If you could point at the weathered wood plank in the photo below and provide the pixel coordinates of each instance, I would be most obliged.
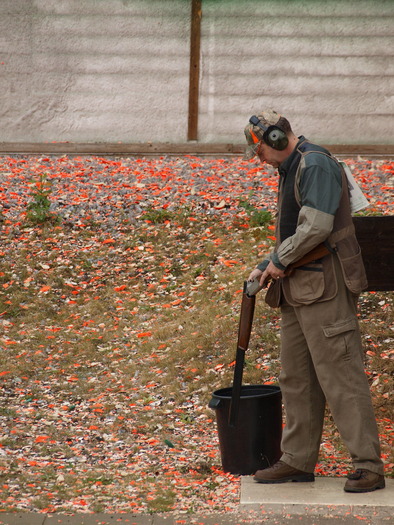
(376, 238)
(148, 148)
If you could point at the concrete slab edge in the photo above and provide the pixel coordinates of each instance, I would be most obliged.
(254, 515)
(362, 512)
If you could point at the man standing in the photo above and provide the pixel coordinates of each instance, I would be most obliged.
(321, 351)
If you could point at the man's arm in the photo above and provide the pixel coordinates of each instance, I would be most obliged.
(320, 193)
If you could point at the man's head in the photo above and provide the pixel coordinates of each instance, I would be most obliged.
(269, 135)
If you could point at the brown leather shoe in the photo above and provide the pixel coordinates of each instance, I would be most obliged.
(280, 472)
(363, 480)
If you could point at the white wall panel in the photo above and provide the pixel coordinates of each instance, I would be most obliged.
(118, 70)
(327, 66)
(94, 70)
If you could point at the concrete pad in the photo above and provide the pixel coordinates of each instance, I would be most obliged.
(324, 491)
(322, 497)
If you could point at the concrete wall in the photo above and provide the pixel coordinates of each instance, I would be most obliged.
(118, 70)
(94, 70)
(327, 66)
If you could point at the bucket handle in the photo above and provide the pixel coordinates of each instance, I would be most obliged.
(214, 403)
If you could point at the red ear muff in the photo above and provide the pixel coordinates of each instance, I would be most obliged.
(275, 137)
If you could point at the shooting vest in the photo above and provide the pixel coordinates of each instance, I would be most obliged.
(318, 281)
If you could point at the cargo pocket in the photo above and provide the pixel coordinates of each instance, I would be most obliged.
(339, 335)
(307, 284)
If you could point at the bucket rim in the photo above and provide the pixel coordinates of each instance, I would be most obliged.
(266, 390)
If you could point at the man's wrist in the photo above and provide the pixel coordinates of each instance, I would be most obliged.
(276, 262)
(263, 265)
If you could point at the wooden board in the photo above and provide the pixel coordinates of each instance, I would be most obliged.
(376, 238)
(156, 148)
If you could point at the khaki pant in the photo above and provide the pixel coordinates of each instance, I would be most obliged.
(322, 361)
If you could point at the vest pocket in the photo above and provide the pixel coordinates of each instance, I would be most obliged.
(353, 272)
(307, 284)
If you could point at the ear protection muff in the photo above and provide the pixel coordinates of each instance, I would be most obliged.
(275, 137)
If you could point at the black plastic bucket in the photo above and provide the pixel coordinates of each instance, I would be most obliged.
(253, 443)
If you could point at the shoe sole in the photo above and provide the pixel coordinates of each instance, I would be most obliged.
(303, 479)
(371, 489)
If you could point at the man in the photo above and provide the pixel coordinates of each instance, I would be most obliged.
(321, 352)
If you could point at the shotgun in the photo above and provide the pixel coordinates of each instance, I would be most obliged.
(253, 287)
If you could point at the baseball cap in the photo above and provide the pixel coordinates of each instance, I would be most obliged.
(254, 134)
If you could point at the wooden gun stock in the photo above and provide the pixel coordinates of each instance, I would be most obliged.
(317, 253)
(246, 320)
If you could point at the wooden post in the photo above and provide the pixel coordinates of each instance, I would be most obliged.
(194, 72)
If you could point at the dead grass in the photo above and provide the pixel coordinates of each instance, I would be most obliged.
(177, 288)
(149, 320)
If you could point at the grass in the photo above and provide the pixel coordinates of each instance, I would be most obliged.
(38, 209)
(93, 328)
(257, 216)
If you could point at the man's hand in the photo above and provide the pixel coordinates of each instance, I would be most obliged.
(256, 274)
(271, 271)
